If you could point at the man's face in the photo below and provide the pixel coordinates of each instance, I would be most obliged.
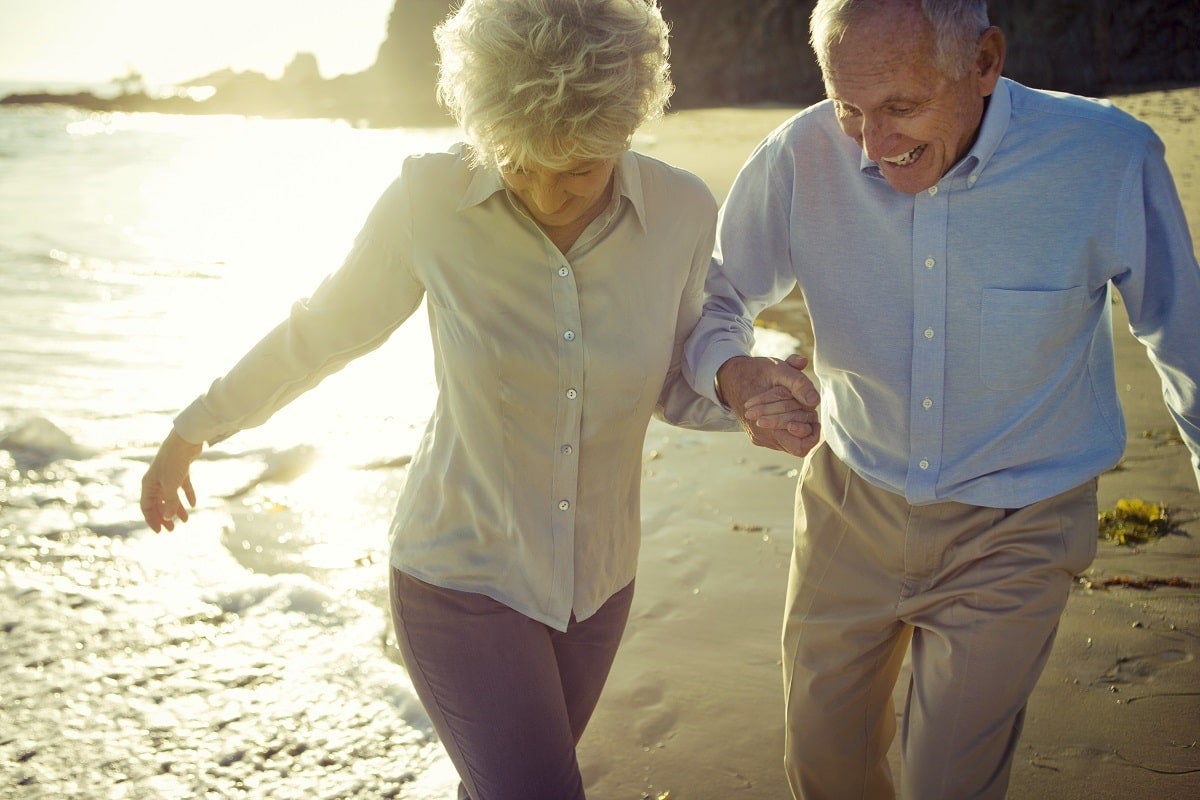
(891, 98)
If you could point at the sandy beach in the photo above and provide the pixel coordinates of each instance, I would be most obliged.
(245, 654)
(694, 708)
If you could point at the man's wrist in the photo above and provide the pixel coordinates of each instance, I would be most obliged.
(717, 378)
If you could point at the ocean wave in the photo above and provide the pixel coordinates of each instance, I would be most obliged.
(289, 592)
(124, 270)
(35, 443)
(117, 530)
(38, 254)
(283, 466)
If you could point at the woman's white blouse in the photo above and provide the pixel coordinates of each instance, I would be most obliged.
(525, 486)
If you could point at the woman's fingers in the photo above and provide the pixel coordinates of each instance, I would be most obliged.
(167, 475)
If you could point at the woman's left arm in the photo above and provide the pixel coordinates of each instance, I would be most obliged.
(678, 403)
(784, 412)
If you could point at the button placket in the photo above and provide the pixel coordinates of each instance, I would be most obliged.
(564, 493)
(929, 271)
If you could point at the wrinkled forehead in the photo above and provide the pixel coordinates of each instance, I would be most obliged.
(877, 62)
(871, 85)
(878, 41)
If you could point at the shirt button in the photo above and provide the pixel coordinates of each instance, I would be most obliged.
(924, 464)
(927, 403)
(929, 263)
(932, 191)
(567, 449)
(929, 333)
(563, 272)
(563, 505)
(572, 394)
(569, 336)
(971, 180)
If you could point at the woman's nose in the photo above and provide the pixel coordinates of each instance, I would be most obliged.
(545, 196)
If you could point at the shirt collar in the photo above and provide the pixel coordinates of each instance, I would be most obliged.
(627, 182)
(485, 182)
(995, 124)
(996, 116)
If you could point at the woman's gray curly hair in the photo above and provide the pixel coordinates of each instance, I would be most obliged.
(546, 82)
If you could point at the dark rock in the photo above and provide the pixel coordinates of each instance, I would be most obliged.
(757, 51)
(723, 53)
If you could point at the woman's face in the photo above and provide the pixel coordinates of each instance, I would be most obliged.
(559, 197)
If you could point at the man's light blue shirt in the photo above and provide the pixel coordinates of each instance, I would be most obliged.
(963, 335)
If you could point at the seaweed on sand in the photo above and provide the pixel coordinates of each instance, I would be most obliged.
(1134, 522)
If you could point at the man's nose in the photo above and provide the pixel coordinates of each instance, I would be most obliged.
(875, 137)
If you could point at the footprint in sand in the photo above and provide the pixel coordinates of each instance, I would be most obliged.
(1139, 668)
(654, 720)
(653, 717)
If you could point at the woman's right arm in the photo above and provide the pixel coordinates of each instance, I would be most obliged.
(168, 474)
(352, 312)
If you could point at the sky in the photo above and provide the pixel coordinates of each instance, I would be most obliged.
(93, 41)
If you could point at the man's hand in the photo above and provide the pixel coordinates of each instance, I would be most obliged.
(775, 402)
(168, 473)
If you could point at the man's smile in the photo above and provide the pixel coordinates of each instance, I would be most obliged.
(904, 159)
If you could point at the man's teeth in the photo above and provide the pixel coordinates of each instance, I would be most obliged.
(905, 159)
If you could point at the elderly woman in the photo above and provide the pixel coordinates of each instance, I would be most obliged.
(561, 273)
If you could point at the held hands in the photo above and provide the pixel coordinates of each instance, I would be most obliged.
(166, 475)
(775, 402)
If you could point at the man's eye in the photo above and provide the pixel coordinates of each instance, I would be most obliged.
(580, 173)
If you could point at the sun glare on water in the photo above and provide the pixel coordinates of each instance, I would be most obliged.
(238, 220)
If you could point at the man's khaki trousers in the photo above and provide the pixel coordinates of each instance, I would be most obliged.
(976, 592)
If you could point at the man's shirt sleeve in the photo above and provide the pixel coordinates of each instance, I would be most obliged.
(751, 267)
(1161, 289)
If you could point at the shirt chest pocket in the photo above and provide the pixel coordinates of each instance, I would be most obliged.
(1027, 335)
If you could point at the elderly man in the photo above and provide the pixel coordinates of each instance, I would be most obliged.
(956, 237)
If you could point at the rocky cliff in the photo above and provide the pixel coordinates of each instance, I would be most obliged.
(747, 52)
(732, 52)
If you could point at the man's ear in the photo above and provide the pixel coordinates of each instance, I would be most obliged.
(989, 59)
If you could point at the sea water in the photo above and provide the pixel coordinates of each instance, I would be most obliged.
(245, 654)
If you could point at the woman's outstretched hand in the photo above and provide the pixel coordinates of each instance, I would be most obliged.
(167, 474)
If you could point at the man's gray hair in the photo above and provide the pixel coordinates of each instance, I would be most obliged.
(547, 82)
(957, 25)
